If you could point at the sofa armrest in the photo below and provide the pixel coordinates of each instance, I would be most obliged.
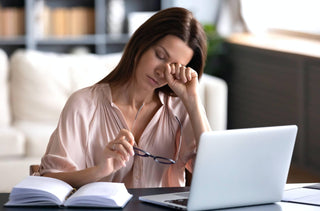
(213, 93)
(12, 143)
(37, 136)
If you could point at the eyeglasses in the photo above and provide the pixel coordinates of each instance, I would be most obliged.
(159, 159)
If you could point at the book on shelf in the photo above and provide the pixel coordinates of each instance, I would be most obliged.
(59, 21)
(81, 21)
(62, 21)
(73, 21)
(11, 21)
(46, 191)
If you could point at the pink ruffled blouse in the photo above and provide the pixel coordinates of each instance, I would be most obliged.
(90, 120)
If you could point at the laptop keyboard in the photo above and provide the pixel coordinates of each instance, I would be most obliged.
(183, 202)
(183, 194)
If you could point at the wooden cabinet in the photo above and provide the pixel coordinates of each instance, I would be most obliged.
(99, 41)
(312, 112)
(269, 85)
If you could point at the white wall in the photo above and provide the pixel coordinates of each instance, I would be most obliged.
(204, 10)
(293, 15)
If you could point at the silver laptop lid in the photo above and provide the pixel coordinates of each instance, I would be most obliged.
(241, 167)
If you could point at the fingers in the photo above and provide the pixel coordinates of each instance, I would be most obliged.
(121, 147)
(126, 140)
(181, 73)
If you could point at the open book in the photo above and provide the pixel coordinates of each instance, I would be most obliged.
(304, 195)
(46, 191)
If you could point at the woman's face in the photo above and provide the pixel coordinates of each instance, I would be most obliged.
(149, 73)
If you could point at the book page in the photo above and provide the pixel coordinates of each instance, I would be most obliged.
(100, 194)
(302, 195)
(33, 189)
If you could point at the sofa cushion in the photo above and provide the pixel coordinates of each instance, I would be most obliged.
(41, 82)
(5, 115)
(12, 143)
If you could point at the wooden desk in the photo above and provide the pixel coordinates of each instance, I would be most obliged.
(135, 204)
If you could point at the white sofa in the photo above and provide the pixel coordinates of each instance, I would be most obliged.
(34, 87)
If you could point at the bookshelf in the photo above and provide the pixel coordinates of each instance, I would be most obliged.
(61, 26)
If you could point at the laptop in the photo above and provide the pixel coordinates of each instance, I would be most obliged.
(236, 168)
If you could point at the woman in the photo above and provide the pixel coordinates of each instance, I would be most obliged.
(147, 104)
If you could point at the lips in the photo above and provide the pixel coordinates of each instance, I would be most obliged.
(153, 81)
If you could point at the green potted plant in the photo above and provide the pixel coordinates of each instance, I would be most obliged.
(215, 51)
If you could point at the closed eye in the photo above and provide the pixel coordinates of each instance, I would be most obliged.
(160, 55)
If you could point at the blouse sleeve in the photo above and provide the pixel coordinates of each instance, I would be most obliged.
(66, 150)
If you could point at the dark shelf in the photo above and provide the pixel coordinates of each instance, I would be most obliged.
(19, 40)
(101, 42)
(85, 40)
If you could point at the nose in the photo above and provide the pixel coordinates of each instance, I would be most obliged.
(160, 71)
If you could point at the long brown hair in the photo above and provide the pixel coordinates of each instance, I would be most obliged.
(172, 21)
